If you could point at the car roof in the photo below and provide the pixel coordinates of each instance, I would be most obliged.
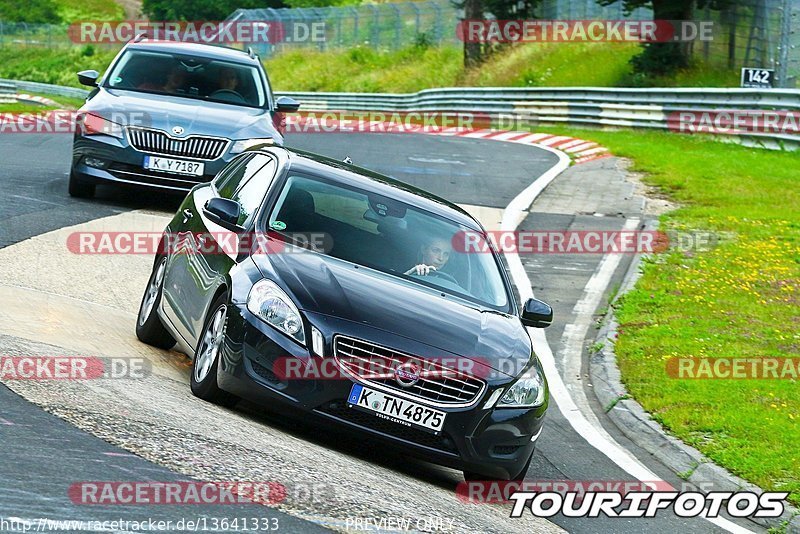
(196, 49)
(349, 174)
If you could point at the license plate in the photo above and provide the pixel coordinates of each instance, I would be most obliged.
(396, 409)
(177, 166)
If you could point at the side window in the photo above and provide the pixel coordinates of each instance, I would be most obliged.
(241, 174)
(251, 194)
(225, 174)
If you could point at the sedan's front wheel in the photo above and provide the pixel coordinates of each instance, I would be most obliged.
(206, 358)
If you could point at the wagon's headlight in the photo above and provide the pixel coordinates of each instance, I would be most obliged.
(91, 124)
(528, 391)
(269, 303)
(244, 144)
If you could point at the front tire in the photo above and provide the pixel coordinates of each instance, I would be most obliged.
(149, 328)
(206, 358)
(79, 188)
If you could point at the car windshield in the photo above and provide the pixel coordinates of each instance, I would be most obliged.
(188, 77)
(390, 236)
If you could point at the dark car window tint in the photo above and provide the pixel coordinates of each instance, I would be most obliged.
(225, 174)
(252, 193)
(383, 233)
(189, 76)
(227, 187)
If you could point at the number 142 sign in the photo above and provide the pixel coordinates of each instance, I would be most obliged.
(757, 78)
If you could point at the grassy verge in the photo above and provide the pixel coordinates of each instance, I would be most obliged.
(741, 299)
(407, 70)
(52, 66)
(89, 10)
(416, 68)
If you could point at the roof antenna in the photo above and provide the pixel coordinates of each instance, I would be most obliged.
(347, 160)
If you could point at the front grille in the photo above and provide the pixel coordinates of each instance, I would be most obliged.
(193, 146)
(376, 365)
(441, 442)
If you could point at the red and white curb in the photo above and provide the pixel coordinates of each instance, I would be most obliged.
(578, 150)
(24, 97)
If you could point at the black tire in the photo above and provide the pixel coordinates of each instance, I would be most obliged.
(149, 328)
(80, 189)
(470, 476)
(204, 371)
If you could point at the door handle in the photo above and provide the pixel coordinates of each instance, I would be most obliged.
(187, 214)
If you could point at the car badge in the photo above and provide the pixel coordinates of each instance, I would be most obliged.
(177, 130)
(407, 374)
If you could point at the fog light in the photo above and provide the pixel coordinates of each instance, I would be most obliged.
(97, 163)
(317, 342)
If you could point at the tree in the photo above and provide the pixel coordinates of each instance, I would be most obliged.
(664, 58)
(211, 10)
(32, 11)
(475, 52)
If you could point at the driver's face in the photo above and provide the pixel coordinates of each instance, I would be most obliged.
(436, 253)
(228, 79)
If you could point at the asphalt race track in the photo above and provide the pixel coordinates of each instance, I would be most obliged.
(53, 302)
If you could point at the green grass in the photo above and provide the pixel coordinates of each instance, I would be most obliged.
(89, 10)
(529, 65)
(410, 69)
(739, 299)
(52, 66)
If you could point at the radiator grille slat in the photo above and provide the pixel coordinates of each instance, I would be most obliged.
(437, 383)
(193, 146)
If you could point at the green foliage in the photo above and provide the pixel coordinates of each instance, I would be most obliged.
(200, 9)
(33, 11)
(54, 66)
(321, 3)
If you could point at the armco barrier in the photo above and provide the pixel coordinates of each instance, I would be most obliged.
(579, 106)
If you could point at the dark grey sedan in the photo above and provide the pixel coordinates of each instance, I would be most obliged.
(170, 115)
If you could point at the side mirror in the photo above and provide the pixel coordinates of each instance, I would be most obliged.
(286, 105)
(224, 212)
(88, 77)
(537, 314)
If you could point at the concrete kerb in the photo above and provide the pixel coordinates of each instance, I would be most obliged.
(637, 425)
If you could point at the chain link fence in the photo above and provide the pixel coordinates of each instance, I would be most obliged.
(748, 33)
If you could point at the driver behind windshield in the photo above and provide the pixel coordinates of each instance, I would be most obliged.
(433, 255)
(228, 79)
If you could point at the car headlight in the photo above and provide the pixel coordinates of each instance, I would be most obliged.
(527, 392)
(270, 304)
(91, 124)
(244, 144)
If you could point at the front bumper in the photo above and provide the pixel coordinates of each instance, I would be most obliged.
(124, 165)
(496, 443)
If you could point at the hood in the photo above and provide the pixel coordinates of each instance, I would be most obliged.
(164, 112)
(329, 286)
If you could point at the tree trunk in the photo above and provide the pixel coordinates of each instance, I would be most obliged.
(679, 10)
(473, 10)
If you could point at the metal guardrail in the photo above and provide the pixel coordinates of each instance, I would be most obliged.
(44, 88)
(580, 106)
